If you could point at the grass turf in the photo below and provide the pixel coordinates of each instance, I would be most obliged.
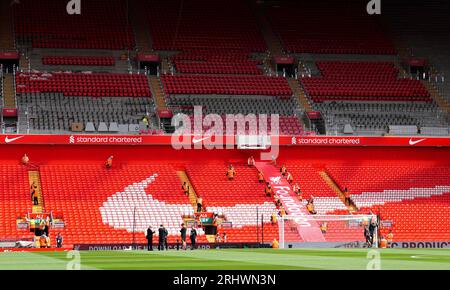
(232, 259)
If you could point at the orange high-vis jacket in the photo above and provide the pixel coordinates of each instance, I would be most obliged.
(383, 243)
(289, 177)
(260, 176)
(390, 237)
(42, 242)
(275, 244)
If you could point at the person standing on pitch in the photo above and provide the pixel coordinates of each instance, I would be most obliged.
(183, 236)
(59, 240)
(372, 227)
(166, 237)
(150, 239)
(161, 237)
(193, 237)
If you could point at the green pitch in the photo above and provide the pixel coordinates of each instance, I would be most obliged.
(231, 259)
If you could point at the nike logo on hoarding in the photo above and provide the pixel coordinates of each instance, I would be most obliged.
(195, 140)
(411, 142)
(8, 140)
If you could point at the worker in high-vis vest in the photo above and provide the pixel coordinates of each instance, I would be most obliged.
(231, 173)
(383, 243)
(275, 244)
(260, 177)
(109, 161)
(185, 188)
(268, 190)
(283, 170)
(390, 238)
(43, 241)
(274, 218)
(290, 178)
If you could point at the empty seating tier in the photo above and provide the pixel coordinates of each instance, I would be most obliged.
(226, 85)
(14, 200)
(288, 125)
(52, 112)
(218, 26)
(373, 177)
(46, 24)
(210, 182)
(337, 28)
(362, 81)
(412, 197)
(79, 60)
(81, 84)
(206, 62)
(98, 204)
(209, 67)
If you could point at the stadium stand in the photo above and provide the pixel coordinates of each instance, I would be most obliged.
(202, 27)
(287, 126)
(78, 60)
(371, 98)
(345, 81)
(229, 85)
(84, 84)
(54, 101)
(215, 55)
(15, 200)
(102, 25)
(402, 193)
(52, 112)
(341, 28)
(104, 211)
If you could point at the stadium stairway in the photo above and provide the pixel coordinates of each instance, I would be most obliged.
(157, 92)
(339, 192)
(9, 92)
(300, 94)
(192, 194)
(442, 103)
(272, 41)
(35, 177)
(142, 35)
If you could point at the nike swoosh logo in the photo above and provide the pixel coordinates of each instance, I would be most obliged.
(8, 140)
(195, 141)
(411, 142)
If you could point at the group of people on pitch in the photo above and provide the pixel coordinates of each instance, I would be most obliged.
(163, 238)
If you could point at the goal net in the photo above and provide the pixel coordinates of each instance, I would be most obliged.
(330, 231)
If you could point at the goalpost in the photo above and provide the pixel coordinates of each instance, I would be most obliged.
(337, 230)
